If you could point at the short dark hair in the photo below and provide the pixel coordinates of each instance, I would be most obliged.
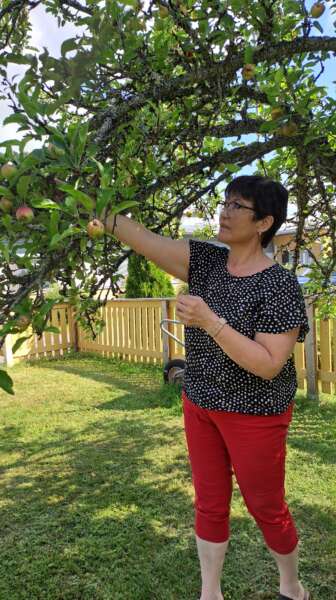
(269, 198)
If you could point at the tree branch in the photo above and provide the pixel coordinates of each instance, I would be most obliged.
(223, 72)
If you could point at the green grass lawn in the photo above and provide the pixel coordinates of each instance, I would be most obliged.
(96, 497)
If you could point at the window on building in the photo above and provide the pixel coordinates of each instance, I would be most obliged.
(285, 257)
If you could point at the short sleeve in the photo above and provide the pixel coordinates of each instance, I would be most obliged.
(202, 258)
(284, 311)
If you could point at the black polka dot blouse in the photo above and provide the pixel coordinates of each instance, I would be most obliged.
(270, 301)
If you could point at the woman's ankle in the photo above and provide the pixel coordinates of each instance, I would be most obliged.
(293, 590)
(216, 596)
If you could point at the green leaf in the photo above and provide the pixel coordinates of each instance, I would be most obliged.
(6, 382)
(132, 3)
(52, 329)
(54, 240)
(279, 75)
(5, 251)
(58, 237)
(99, 165)
(68, 45)
(78, 141)
(53, 223)
(7, 221)
(318, 26)
(6, 192)
(46, 307)
(248, 55)
(23, 185)
(16, 118)
(19, 59)
(123, 205)
(19, 343)
(231, 167)
(103, 199)
(45, 203)
(10, 143)
(268, 126)
(70, 203)
(78, 195)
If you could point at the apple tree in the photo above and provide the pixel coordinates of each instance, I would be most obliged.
(149, 110)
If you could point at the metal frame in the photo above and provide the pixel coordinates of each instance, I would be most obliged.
(169, 332)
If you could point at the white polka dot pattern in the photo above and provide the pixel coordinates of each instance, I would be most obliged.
(270, 301)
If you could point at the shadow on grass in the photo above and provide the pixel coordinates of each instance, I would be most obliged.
(147, 391)
(106, 512)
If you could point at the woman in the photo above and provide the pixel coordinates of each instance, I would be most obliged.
(242, 316)
(240, 379)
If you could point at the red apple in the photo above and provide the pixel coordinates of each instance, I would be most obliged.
(95, 229)
(317, 10)
(24, 213)
(6, 204)
(8, 169)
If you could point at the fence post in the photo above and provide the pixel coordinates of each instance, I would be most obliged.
(73, 328)
(165, 337)
(311, 355)
(7, 348)
(76, 336)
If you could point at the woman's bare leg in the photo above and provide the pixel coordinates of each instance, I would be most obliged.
(211, 556)
(288, 569)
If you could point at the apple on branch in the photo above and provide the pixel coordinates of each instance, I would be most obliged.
(24, 213)
(6, 205)
(95, 229)
(8, 170)
(249, 71)
(276, 112)
(164, 12)
(317, 10)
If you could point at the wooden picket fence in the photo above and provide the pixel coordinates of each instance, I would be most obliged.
(132, 332)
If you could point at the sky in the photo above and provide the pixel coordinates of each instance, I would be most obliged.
(46, 33)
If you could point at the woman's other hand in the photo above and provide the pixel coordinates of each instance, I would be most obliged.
(193, 311)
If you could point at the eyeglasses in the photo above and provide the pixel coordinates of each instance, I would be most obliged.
(233, 205)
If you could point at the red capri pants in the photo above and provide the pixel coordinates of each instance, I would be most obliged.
(255, 446)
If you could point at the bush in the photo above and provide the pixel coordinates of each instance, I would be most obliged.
(146, 280)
